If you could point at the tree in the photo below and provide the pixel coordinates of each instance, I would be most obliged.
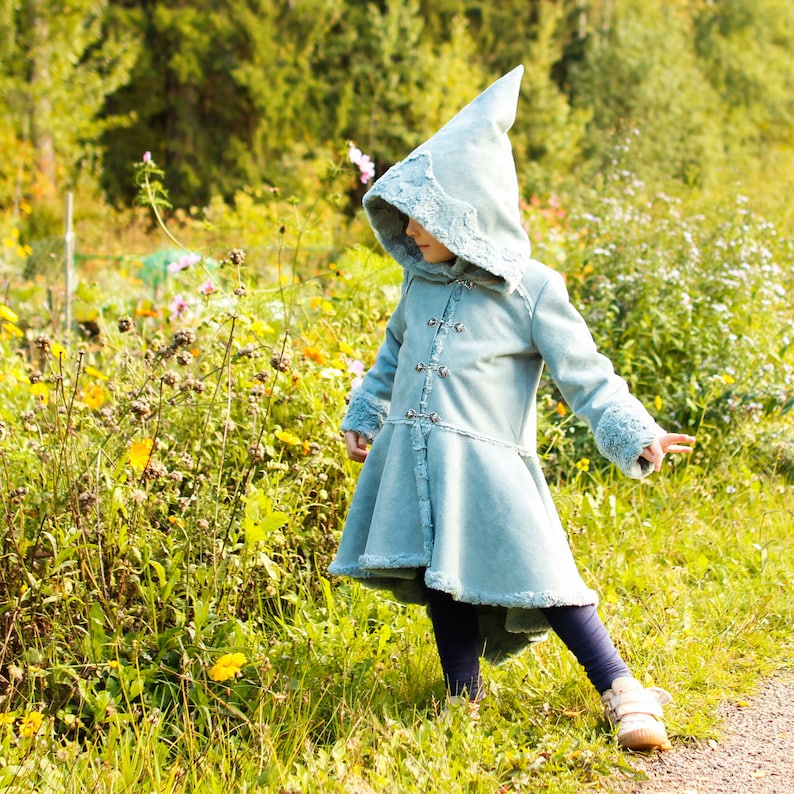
(59, 63)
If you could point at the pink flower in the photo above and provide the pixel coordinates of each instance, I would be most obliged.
(364, 163)
(185, 261)
(179, 307)
(207, 288)
(147, 157)
(356, 367)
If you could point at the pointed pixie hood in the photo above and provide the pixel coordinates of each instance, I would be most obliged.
(461, 186)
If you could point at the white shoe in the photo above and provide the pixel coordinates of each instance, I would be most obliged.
(637, 714)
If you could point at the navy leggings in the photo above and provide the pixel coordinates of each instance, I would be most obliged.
(459, 643)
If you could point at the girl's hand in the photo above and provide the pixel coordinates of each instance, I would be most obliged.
(356, 446)
(674, 443)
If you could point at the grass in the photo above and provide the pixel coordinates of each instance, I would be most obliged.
(695, 573)
(172, 500)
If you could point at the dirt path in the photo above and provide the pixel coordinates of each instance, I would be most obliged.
(754, 754)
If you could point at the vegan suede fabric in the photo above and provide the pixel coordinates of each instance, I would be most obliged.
(452, 490)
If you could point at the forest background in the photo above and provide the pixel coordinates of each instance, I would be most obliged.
(171, 474)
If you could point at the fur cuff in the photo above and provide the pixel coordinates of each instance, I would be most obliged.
(365, 414)
(623, 431)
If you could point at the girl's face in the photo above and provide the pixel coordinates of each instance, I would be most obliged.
(431, 249)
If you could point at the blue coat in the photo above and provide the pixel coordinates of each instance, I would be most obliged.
(452, 488)
(452, 491)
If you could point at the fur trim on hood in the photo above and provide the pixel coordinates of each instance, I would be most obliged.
(461, 186)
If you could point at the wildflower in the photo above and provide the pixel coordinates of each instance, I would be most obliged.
(94, 396)
(207, 288)
(259, 327)
(179, 307)
(13, 330)
(43, 342)
(657, 403)
(315, 354)
(183, 263)
(147, 157)
(228, 666)
(364, 163)
(8, 314)
(140, 409)
(356, 367)
(30, 724)
(7, 718)
(58, 350)
(287, 437)
(561, 409)
(727, 378)
(583, 464)
(93, 372)
(140, 452)
(40, 391)
(125, 324)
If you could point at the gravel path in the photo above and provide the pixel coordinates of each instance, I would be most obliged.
(754, 754)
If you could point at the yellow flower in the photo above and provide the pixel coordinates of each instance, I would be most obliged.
(258, 327)
(58, 350)
(12, 330)
(228, 666)
(41, 391)
(345, 348)
(30, 724)
(7, 718)
(287, 437)
(94, 396)
(728, 379)
(9, 314)
(561, 409)
(657, 403)
(583, 464)
(93, 372)
(140, 452)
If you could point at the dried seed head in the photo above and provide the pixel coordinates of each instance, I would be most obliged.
(280, 361)
(125, 324)
(237, 256)
(184, 337)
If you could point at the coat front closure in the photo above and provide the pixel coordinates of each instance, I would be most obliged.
(452, 492)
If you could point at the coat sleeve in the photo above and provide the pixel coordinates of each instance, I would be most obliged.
(621, 425)
(370, 402)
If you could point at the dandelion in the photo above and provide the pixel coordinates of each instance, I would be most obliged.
(29, 725)
(140, 452)
(179, 308)
(287, 437)
(228, 666)
(183, 263)
(363, 161)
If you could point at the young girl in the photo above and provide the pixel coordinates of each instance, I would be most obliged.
(452, 509)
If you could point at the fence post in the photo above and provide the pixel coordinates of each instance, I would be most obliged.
(69, 249)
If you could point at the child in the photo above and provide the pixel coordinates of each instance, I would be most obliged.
(451, 508)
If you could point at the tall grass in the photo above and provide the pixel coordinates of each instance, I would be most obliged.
(173, 488)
